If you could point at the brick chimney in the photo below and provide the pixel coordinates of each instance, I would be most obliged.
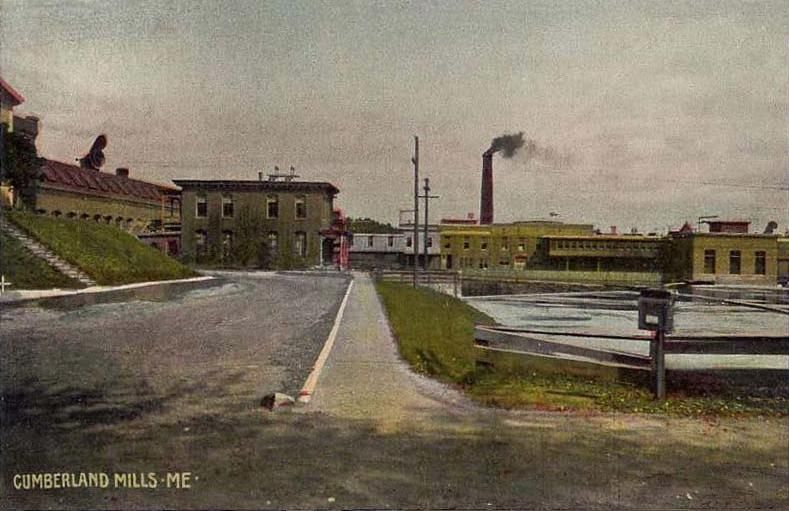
(486, 197)
(122, 172)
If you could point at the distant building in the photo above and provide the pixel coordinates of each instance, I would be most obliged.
(371, 251)
(602, 253)
(278, 224)
(501, 246)
(723, 258)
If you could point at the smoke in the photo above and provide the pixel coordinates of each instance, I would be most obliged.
(509, 144)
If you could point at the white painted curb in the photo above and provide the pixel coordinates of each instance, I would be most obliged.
(312, 380)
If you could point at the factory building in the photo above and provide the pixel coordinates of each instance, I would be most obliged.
(728, 254)
(501, 246)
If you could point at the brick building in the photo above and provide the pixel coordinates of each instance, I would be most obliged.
(277, 224)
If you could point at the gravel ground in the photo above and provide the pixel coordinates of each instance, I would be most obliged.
(164, 387)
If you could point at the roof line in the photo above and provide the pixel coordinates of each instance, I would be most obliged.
(11, 91)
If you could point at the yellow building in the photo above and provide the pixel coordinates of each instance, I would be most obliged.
(136, 206)
(500, 246)
(724, 258)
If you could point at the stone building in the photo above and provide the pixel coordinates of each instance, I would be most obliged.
(277, 224)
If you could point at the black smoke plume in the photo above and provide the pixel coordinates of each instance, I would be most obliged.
(507, 144)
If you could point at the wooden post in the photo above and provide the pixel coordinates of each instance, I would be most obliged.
(658, 356)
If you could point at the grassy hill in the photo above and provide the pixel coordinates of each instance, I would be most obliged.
(26, 271)
(104, 252)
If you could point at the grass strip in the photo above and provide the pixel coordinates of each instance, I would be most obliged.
(435, 335)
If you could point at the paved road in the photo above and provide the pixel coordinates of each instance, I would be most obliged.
(375, 434)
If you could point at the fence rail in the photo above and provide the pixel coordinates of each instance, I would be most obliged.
(530, 342)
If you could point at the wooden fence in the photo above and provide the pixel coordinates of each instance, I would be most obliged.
(533, 342)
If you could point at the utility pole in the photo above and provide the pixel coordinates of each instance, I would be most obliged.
(415, 161)
(427, 198)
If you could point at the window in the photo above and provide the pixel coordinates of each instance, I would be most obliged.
(300, 244)
(466, 243)
(227, 206)
(505, 244)
(430, 242)
(369, 241)
(521, 245)
(273, 241)
(201, 207)
(760, 263)
(408, 241)
(390, 241)
(709, 261)
(227, 245)
(200, 243)
(483, 245)
(272, 206)
(734, 262)
(301, 206)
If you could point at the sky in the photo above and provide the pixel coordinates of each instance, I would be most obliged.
(645, 114)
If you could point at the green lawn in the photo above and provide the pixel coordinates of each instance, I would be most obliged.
(104, 252)
(26, 271)
(435, 335)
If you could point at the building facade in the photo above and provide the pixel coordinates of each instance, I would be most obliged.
(371, 251)
(273, 224)
(501, 246)
(724, 258)
(68, 191)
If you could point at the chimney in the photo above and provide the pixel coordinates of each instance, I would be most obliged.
(260, 176)
(486, 197)
(122, 172)
(613, 229)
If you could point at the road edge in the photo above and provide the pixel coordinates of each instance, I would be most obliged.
(305, 394)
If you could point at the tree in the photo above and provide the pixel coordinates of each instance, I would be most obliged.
(370, 226)
(248, 248)
(20, 165)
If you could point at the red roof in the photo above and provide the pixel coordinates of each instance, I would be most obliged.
(11, 92)
(71, 177)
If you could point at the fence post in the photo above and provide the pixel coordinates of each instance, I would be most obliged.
(658, 356)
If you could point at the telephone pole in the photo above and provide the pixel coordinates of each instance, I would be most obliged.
(427, 198)
(415, 161)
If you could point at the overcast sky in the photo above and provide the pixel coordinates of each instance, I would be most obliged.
(654, 112)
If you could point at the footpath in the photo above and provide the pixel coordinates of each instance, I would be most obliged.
(364, 376)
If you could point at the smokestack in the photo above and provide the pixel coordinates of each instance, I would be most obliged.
(260, 176)
(122, 172)
(486, 196)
